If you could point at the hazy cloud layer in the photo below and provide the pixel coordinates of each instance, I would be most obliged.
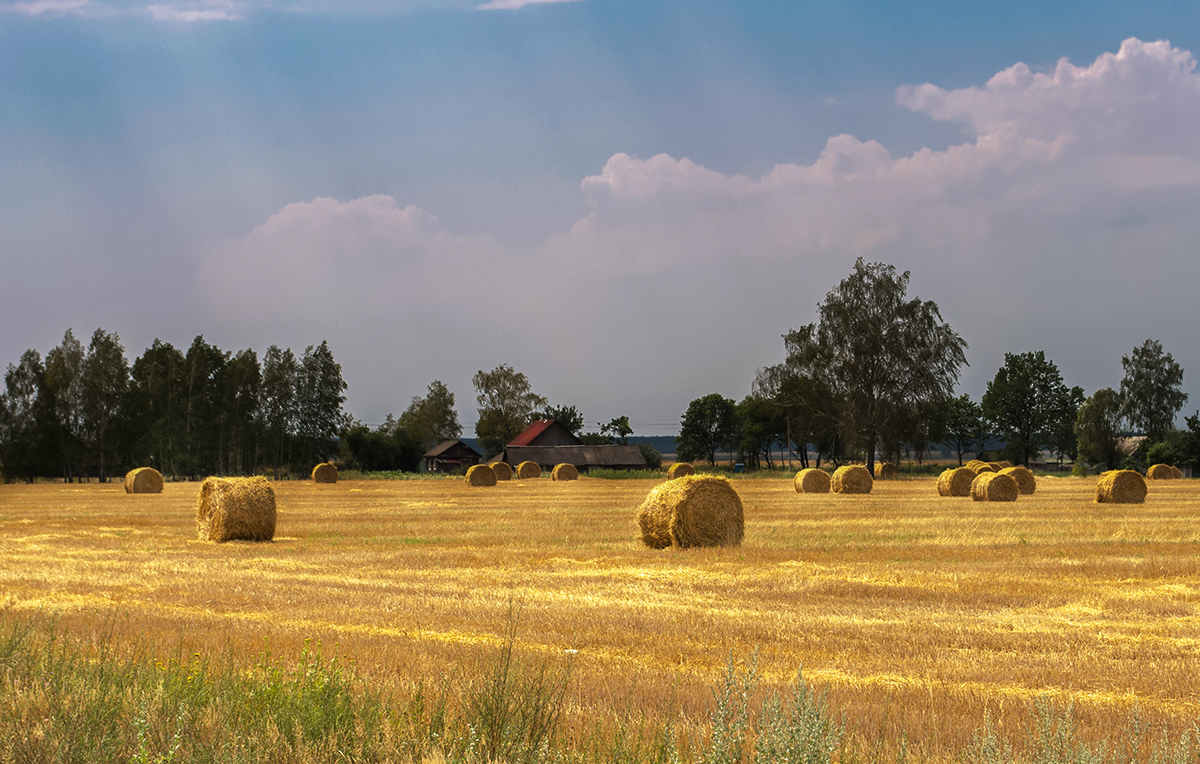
(234, 10)
(1064, 221)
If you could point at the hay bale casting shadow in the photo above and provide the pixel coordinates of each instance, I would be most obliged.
(325, 473)
(955, 481)
(992, 486)
(692, 511)
(887, 471)
(236, 508)
(853, 478)
(143, 480)
(812, 481)
(503, 470)
(526, 470)
(680, 469)
(564, 472)
(1160, 472)
(1121, 487)
(1026, 482)
(481, 476)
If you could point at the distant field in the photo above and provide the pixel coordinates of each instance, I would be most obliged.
(923, 615)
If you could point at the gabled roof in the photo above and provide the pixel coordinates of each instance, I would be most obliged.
(539, 428)
(446, 445)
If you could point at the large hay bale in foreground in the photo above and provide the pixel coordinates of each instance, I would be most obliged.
(564, 472)
(1160, 472)
(1026, 482)
(236, 508)
(503, 470)
(887, 471)
(955, 481)
(481, 476)
(143, 480)
(325, 473)
(812, 481)
(680, 469)
(691, 511)
(853, 478)
(526, 470)
(1121, 487)
(993, 486)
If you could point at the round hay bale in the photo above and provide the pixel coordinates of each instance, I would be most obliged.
(325, 473)
(1121, 487)
(993, 486)
(692, 511)
(143, 480)
(887, 471)
(526, 470)
(974, 465)
(236, 508)
(564, 472)
(1160, 472)
(955, 481)
(812, 481)
(853, 478)
(503, 470)
(680, 469)
(983, 467)
(997, 466)
(1026, 482)
(1178, 473)
(1004, 465)
(481, 476)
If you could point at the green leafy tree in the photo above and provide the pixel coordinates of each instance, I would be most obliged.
(1026, 403)
(321, 391)
(708, 426)
(568, 416)
(431, 419)
(761, 425)
(26, 416)
(1151, 389)
(156, 408)
(880, 353)
(507, 405)
(1064, 443)
(278, 404)
(105, 386)
(809, 406)
(618, 429)
(64, 380)
(239, 384)
(390, 447)
(202, 366)
(962, 424)
(651, 455)
(1189, 442)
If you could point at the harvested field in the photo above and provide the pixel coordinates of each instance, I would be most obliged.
(921, 615)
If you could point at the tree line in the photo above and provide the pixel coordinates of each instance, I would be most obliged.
(86, 412)
(875, 377)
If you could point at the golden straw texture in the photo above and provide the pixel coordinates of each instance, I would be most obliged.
(887, 471)
(1026, 482)
(692, 511)
(680, 469)
(481, 476)
(1121, 487)
(236, 508)
(143, 480)
(503, 470)
(955, 481)
(528, 470)
(993, 486)
(325, 473)
(1160, 472)
(853, 478)
(564, 472)
(812, 481)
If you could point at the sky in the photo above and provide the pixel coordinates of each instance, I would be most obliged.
(629, 202)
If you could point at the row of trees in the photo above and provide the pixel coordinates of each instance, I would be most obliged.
(86, 412)
(875, 375)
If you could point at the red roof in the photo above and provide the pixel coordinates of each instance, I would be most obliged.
(531, 432)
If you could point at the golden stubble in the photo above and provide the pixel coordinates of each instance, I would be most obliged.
(922, 614)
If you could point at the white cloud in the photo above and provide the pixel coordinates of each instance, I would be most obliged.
(223, 11)
(52, 8)
(508, 5)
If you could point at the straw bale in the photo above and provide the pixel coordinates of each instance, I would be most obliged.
(1026, 482)
(1160, 472)
(481, 476)
(997, 466)
(1177, 472)
(974, 465)
(982, 467)
(1004, 465)
(503, 470)
(955, 481)
(1121, 487)
(680, 469)
(994, 486)
(143, 480)
(692, 511)
(887, 471)
(325, 473)
(236, 508)
(564, 472)
(812, 481)
(528, 470)
(853, 478)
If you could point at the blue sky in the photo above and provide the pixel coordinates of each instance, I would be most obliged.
(628, 201)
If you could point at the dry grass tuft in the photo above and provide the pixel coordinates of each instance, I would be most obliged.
(887, 471)
(564, 472)
(680, 469)
(955, 481)
(812, 481)
(527, 470)
(1026, 482)
(1121, 487)
(481, 476)
(993, 486)
(1161, 472)
(143, 480)
(503, 470)
(692, 511)
(325, 473)
(236, 509)
(852, 478)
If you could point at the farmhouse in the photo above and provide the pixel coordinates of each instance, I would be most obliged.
(451, 455)
(547, 442)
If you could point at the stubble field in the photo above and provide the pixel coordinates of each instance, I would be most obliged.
(922, 615)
